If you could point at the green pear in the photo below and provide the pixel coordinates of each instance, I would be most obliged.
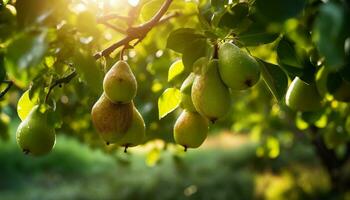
(237, 68)
(190, 129)
(120, 83)
(210, 96)
(111, 120)
(34, 135)
(302, 96)
(135, 134)
(186, 87)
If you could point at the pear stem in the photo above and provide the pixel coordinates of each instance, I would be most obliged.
(126, 149)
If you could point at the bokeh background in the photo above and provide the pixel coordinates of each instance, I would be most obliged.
(261, 150)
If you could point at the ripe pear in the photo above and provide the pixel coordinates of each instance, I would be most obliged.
(186, 88)
(34, 135)
(210, 96)
(237, 68)
(302, 96)
(190, 129)
(120, 83)
(110, 119)
(135, 134)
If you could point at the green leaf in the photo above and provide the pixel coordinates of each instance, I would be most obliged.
(233, 17)
(5, 1)
(25, 52)
(180, 38)
(168, 101)
(218, 4)
(89, 71)
(277, 10)
(149, 9)
(287, 54)
(175, 69)
(330, 41)
(2, 67)
(275, 78)
(194, 50)
(253, 38)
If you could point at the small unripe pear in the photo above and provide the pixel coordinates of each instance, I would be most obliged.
(111, 120)
(210, 96)
(190, 129)
(135, 134)
(34, 135)
(302, 96)
(186, 100)
(120, 83)
(237, 68)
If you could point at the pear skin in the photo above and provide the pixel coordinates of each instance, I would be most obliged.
(135, 134)
(210, 96)
(303, 97)
(186, 88)
(238, 70)
(190, 129)
(111, 120)
(34, 135)
(119, 83)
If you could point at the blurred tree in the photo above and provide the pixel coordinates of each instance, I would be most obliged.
(72, 43)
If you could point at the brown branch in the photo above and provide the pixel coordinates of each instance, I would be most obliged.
(136, 32)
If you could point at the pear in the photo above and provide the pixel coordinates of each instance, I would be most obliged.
(190, 129)
(119, 83)
(135, 134)
(210, 96)
(110, 119)
(237, 68)
(302, 96)
(186, 88)
(34, 135)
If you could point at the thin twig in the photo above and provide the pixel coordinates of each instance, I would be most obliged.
(8, 87)
(60, 81)
(137, 32)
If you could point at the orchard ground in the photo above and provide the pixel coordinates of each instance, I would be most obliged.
(226, 167)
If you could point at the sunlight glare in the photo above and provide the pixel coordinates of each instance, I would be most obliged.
(133, 3)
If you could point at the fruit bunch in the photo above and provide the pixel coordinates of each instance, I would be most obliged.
(205, 94)
(114, 115)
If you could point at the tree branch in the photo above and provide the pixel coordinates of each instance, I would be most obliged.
(8, 87)
(60, 81)
(136, 32)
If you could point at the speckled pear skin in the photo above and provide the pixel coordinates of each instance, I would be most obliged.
(111, 120)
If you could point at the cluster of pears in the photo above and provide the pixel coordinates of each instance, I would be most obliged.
(34, 135)
(308, 97)
(206, 92)
(114, 115)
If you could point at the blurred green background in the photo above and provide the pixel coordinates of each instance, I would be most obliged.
(261, 150)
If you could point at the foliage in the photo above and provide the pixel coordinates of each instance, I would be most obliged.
(43, 41)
